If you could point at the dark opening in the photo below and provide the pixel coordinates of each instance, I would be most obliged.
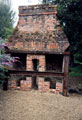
(18, 83)
(54, 63)
(5, 81)
(35, 64)
(19, 80)
(21, 63)
(34, 82)
(5, 84)
(52, 82)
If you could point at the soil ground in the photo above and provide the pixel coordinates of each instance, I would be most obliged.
(32, 105)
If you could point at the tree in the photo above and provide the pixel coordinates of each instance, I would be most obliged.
(6, 19)
(70, 16)
(6, 28)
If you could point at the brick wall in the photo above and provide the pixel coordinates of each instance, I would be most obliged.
(43, 86)
(12, 84)
(26, 84)
(59, 86)
(38, 29)
(29, 62)
(74, 83)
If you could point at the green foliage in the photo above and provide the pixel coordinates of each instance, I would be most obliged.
(75, 71)
(6, 20)
(70, 16)
(6, 28)
(2, 75)
(59, 2)
(6, 61)
(2, 56)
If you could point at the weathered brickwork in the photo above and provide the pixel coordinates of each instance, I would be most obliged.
(38, 29)
(59, 87)
(33, 9)
(38, 35)
(40, 83)
(26, 84)
(29, 62)
(12, 84)
(43, 86)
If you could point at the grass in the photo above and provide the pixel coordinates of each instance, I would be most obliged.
(75, 71)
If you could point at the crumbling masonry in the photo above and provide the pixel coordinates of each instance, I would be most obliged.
(43, 49)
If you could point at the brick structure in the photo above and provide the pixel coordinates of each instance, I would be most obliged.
(42, 46)
(59, 87)
(26, 84)
(12, 84)
(29, 62)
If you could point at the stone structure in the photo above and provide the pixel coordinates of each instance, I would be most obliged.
(40, 43)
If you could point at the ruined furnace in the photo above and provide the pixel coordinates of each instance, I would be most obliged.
(43, 49)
